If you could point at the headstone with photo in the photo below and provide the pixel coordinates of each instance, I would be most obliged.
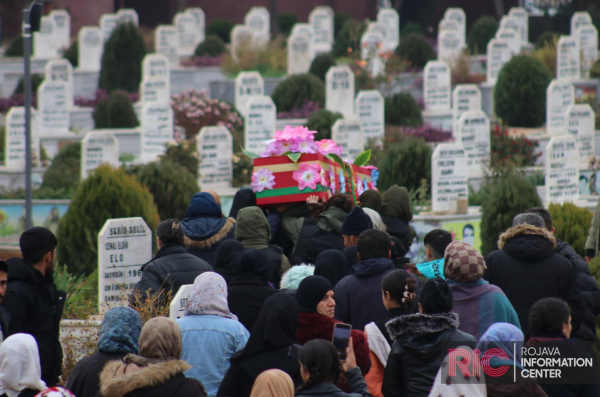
(61, 70)
(128, 15)
(241, 37)
(306, 29)
(458, 15)
(371, 44)
(247, 85)
(579, 19)
(449, 176)
(473, 132)
(157, 130)
(258, 20)
(215, 149)
(53, 108)
(562, 169)
(108, 23)
(512, 38)
(560, 95)
(166, 42)
(180, 301)
(580, 121)
(567, 58)
(389, 17)
(587, 37)
(369, 109)
(62, 25)
(198, 13)
(186, 28)
(348, 133)
(339, 90)
(450, 46)
(44, 44)
(260, 123)
(98, 147)
(436, 86)
(465, 98)
(14, 145)
(90, 47)
(299, 53)
(321, 20)
(522, 16)
(498, 53)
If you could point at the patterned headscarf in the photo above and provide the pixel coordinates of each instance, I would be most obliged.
(120, 331)
(160, 338)
(505, 336)
(462, 263)
(209, 297)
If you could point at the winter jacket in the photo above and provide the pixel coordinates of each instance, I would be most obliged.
(527, 269)
(3, 325)
(421, 343)
(245, 297)
(35, 307)
(356, 384)
(591, 244)
(396, 214)
(358, 296)
(84, 379)
(351, 254)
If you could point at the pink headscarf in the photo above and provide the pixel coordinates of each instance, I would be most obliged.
(209, 297)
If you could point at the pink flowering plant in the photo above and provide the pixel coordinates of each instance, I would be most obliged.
(262, 179)
(308, 175)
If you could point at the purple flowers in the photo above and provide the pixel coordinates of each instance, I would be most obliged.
(263, 179)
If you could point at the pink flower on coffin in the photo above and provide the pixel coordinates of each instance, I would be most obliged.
(332, 181)
(303, 133)
(308, 175)
(327, 146)
(277, 148)
(295, 133)
(262, 179)
(306, 146)
(359, 187)
(288, 133)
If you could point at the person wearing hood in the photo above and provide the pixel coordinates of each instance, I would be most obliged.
(293, 277)
(333, 265)
(228, 258)
(205, 227)
(372, 199)
(421, 341)
(396, 214)
(355, 223)
(250, 287)
(20, 371)
(243, 198)
(253, 231)
(272, 345)
(119, 334)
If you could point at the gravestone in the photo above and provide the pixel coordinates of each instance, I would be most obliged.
(321, 20)
(473, 131)
(369, 109)
(61, 70)
(305, 28)
(498, 53)
(512, 38)
(515, 24)
(90, 46)
(339, 90)
(157, 130)
(450, 46)
(124, 246)
(371, 44)
(580, 121)
(166, 43)
(247, 85)
(14, 146)
(155, 65)
(155, 90)
(560, 95)
(53, 108)
(128, 15)
(260, 123)
(299, 53)
(241, 37)
(436, 86)
(579, 19)
(567, 58)
(348, 133)
(215, 149)
(522, 16)
(448, 176)
(62, 31)
(198, 13)
(98, 147)
(108, 23)
(562, 169)
(258, 20)
(180, 301)
(389, 17)
(44, 45)
(446, 24)
(186, 25)
(459, 16)
(465, 98)
(587, 37)
(378, 27)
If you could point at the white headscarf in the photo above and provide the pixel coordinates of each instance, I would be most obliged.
(375, 218)
(209, 297)
(20, 365)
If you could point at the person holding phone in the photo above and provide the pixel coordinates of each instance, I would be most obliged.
(321, 370)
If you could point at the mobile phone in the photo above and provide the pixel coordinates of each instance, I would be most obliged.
(341, 338)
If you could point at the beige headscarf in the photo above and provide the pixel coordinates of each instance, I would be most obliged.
(160, 338)
(273, 383)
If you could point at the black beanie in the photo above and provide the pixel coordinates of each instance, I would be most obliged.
(356, 222)
(311, 291)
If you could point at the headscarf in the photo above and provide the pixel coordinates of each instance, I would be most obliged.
(310, 292)
(462, 263)
(243, 198)
(209, 297)
(396, 204)
(375, 219)
(252, 228)
(502, 336)
(228, 258)
(253, 263)
(55, 391)
(20, 367)
(333, 265)
(273, 383)
(371, 199)
(471, 386)
(120, 331)
(203, 218)
(275, 327)
(292, 278)
(161, 338)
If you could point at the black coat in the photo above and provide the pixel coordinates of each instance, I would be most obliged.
(245, 296)
(311, 231)
(84, 379)
(421, 343)
(35, 307)
(4, 323)
(396, 227)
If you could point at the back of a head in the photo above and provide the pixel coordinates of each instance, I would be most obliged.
(547, 316)
(437, 240)
(243, 198)
(253, 263)
(373, 244)
(400, 285)
(435, 296)
(160, 338)
(541, 211)
(170, 232)
(273, 383)
(529, 219)
(35, 243)
(320, 358)
(371, 198)
(356, 222)
(252, 225)
(20, 363)
(3, 266)
(120, 331)
(341, 201)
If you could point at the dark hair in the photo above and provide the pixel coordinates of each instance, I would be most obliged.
(341, 201)
(395, 284)
(541, 211)
(320, 358)
(372, 244)
(437, 240)
(435, 296)
(35, 243)
(548, 315)
(170, 232)
(3, 266)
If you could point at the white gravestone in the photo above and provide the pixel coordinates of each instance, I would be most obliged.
(339, 90)
(128, 15)
(44, 45)
(450, 46)
(61, 70)
(155, 65)
(446, 24)
(258, 20)
(306, 29)
(512, 24)
(371, 46)
(512, 38)
(215, 149)
(247, 85)
(108, 23)
(321, 20)
(260, 123)
(580, 121)
(348, 133)
(166, 42)
(198, 13)
(587, 37)
(299, 53)
(474, 133)
(157, 130)
(100, 147)
(579, 19)
(180, 301)
(498, 53)
(62, 24)
(389, 17)
(53, 108)
(90, 46)
(567, 58)
(241, 37)
(378, 27)
(155, 90)
(522, 16)
(14, 152)
(465, 98)
(559, 96)
(186, 27)
(124, 246)
(459, 16)
(449, 176)
(369, 109)
(436, 86)
(562, 169)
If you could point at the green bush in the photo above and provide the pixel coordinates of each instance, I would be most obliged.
(298, 89)
(36, 80)
(212, 46)
(106, 194)
(122, 59)
(183, 154)
(72, 54)
(546, 39)
(415, 49)
(322, 121)
(572, 224)
(116, 111)
(595, 72)
(411, 28)
(339, 21)
(286, 22)
(520, 93)
(65, 170)
(15, 49)
(347, 41)
(321, 64)
(221, 28)
(405, 164)
(481, 33)
(509, 195)
(402, 109)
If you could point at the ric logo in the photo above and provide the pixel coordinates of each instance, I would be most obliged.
(471, 364)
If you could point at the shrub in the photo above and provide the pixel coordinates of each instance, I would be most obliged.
(416, 50)
(116, 111)
(405, 163)
(520, 93)
(481, 33)
(339, 20)
(122, 59)
(321, 64)
(508, 151)
(322, 121)
(402, 109)
(411, 28)
(461, 71)
(15, 49)
(547, 39)
(269, 60)
(36, 80)
(106, 194)
(298, 89)
(595, 72)
(72, 54)
(426, 132)
(572, 224)
(347, 41)
(221, 28)
(212, 46)
(183, 154)
(546, 55)
(509, 195)
(286, 22)
(304, 112)
(64, 172)
(242, 170)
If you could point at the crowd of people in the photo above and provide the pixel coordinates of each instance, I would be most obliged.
(270, 286)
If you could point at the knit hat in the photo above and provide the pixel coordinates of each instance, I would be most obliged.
(462, 263)
(311, 291)
(356, 222)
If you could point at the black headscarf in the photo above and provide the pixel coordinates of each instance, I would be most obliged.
(333, 265)
(253, 263)
(310, 292)
(275, 327)
(243, 198)
(228, 258)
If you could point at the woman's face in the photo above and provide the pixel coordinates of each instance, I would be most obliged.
(567, 328)
(327, 305)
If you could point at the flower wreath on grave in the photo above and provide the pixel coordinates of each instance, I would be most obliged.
(294, 166)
